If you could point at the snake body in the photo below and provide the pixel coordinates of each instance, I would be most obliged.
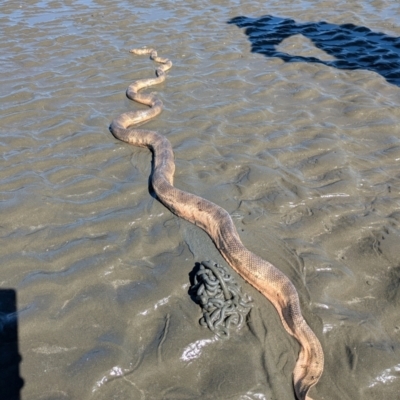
(217, 223)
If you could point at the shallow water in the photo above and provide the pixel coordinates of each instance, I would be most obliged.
(302, 151)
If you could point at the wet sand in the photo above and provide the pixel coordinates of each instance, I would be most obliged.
(303, 154)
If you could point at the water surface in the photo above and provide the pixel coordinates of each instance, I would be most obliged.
(301, 149)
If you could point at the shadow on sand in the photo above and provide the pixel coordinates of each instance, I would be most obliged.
(354, 47)
(10, 380)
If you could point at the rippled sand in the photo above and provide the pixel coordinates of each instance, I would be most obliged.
(305, 156)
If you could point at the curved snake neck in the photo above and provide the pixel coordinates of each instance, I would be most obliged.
(216, 221)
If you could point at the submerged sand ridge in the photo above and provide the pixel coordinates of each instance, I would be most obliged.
(303, 155)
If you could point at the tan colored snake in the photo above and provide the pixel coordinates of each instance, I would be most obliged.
(214, 220)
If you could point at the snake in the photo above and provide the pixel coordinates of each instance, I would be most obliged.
(218, 224)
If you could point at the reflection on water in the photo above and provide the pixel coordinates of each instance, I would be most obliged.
(354, 47)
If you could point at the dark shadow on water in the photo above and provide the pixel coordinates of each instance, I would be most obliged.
(10, 380)
(354, 47)
(192, 293)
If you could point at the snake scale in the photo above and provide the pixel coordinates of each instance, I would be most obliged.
(216, 221)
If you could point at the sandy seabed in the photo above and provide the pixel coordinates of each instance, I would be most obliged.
(299, 145)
